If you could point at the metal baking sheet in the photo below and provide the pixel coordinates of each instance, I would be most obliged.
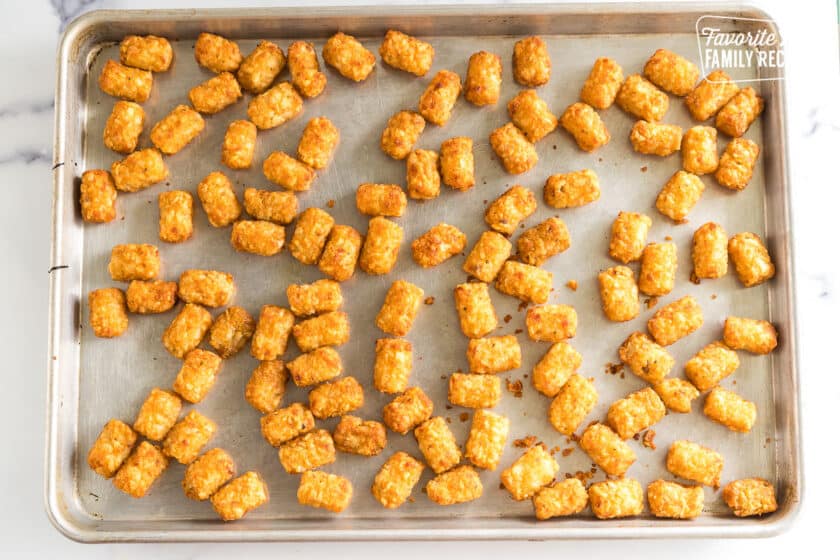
(92, 380)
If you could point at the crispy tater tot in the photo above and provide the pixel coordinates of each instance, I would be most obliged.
(98, 197)
(586, 127)
(271, 335)
(573, 403)
(400, 308)
(276, 106)
(711, 365)
(259, 69)
(216, 53)
(484, 79)
(677, 394)
(528, 283)
(309, 451)
(157, 414)
(635, 412)
(475, 309)
(381, 247)
(562, 498)
(219, 199)
(239, 144)
(305, 69)
(437, 245)
(204, 476)
(341, 251)
(619, 293)
(401, 133)
(752, 335)
(551, 323)
(406, 53)
(655, 138)
(329, 329)
(612, 499)
(284, 170)
(531, 471)
(361, 437)
(516, 153)
(694, 462)
(648, 360)
(628, 236)
(675, 321)
(112, 447)
(739, 113)
(206, 287)
(730, 409)
(335, 398)
(258, 237)
(177, 129)
(396, 479)
(753, 264)
(607, 450)
(673, 500)
(437, 444)
(267, 386)
(134, 261)
(461, 484)
(672, 72)
(506, 212)
(642, 99)
(239, 496)
(320, 296)
(347, 55)
(379, 199)
(474, 390)
(216, 94)
(750, 496)
(531, 63)
(393, 364)
(658, 271)
(570, 190)
(737, 164)
(285, 424)
(176, 216)
(231, 331)
(531, 115)
(140, 470)
(709, 251)
(315, 367)
(422, 175)
(150, 53)
(127, 83)
(186, 330)
(318, 142)
(679, 195)
(311, 231)
(486, 442)
(123, 127)
(539, 243)
(487, 257)
(602, 85)
(457, 164)
(186, 438)
(699, 150)
(407, 410)
(712, 93)
(494, 354)
(324, 490)
(274, 206)
(555, 368)
(439, 98)
(197, 375)
(139, 170)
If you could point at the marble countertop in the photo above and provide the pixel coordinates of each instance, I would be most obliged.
(27, 55)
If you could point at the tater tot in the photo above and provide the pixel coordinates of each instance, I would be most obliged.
(361, 437)
(123, 127)
(267, 386)
(437, 444)
(461, 484)
(439, 98)
(562, 498)
(575, 400)
(657, 139)
(216, 94)
(325, 491)
(177, 129)
(628, 236)
(285, 424)
(150, 53)
(310, 235)
(276, 106)
(555, 368)
(320, 296)
(204, 476)
(407, 410)
(139, 170)
(642, 99)
(474, 390)
(140, 470)
(112, 447)
(258, 237)
(422, 175)
(394, 482)
(239, 496)
(677, 394)
(186, 438)
(392, 366)
(709, 251)
(607, 450)
(752, 335)
(751, 259)
(675, 321)
(487, 257)
(206, 287)
(551, 323)
(274, 206)
(347, 55)
(437, 245)
(381, 247)
(730, 409)
(176, 216)
(341, 252)
(494, 354)
(131, 84)
(108, 318)
(527, 283)
(231, 331)
(315, 367)
(694, 462)
(157, 414)
(239, 144)
(516, 153)
(539, 243)
(658, 271)
(679, 195)
(530, 114)
(750, 496)
(699, 150)
(329, 329)
(219, 199)
(586, 127)
(309, 451)
(259, 69)
(619, 293)
(671, 72)
(186, 330)
(197, 375)
(377, 199)
(570, 190)
(711, 365)
(602, 84)
(635, 412)
(506, 212)
(712, 93)
(318, 142)
(153, 296)
(335, 398)
(531, 63)
(216, 53)
(648, 360)
(673, 500)
(98, 197)
(305, 69)
(612, 499)
(483, 83)
(406, 53)
(737, 164)
(531, 471)
(400, 308)
(401, 133)
(134, 261)
(739, 113)
(457, 164)
(486, 442)
(284, 170)
(475, 309)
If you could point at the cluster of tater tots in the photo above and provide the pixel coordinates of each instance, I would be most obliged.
(136, 455)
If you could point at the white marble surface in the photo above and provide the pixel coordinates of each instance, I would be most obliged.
(27, 55)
